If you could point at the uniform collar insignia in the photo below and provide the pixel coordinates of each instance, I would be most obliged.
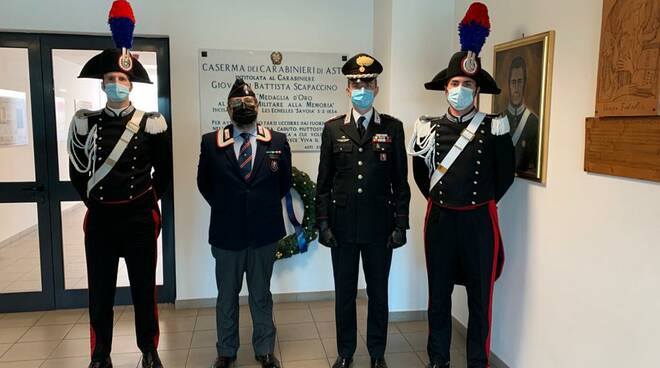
(119, 113)
(263, 134)
(461, 119)
(376, 116)
(225, 136)
(517, 110)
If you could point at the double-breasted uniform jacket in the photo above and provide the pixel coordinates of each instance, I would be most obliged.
(362, 188)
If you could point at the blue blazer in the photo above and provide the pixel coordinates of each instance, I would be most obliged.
(244, 213)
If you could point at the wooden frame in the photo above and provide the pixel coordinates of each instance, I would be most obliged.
(533, 56)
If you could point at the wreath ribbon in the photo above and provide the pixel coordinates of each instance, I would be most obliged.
(300, 234)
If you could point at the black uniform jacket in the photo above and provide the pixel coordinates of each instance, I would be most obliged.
(362, 186)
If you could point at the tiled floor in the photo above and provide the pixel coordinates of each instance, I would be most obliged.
(306, 338)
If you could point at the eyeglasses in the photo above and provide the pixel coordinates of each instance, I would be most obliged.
(236, 103)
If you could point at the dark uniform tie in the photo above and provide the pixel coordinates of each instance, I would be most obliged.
(245, 157)
(360, 126)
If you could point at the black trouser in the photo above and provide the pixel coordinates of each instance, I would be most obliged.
(111, 233)
(376, 261)
(461, 244)
(230, 266)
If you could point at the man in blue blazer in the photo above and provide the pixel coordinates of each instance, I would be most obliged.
(244, 171)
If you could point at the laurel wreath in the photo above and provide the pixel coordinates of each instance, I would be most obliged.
(306, 188)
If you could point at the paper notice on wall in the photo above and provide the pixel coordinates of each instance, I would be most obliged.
(297, 91)
(13, 118)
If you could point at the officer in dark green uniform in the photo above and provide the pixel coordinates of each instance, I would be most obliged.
(362, 206)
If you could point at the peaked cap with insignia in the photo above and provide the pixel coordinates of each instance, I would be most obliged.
(362, 67)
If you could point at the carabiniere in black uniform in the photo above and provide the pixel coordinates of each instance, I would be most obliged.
(461, 232)
(123, 218)
(362, 208)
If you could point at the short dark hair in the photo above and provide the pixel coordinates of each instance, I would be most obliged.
(518, 62)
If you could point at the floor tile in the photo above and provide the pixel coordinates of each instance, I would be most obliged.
(396, 343)
(72, 348)
(61, 317)
(297, 331)
(46, 333)
(330, 346)
(417, 340)
(175, 341)
(318, 363)
(323, 314)
(302, 350)
(29, 351)
(292, 316)
(178, 324)
(327, 329)
(24, 364)
(9, 335)
(403, 360)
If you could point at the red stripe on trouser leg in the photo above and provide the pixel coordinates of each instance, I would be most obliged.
(156, 217)
(492, 209)
(92, 340)
(429, 205)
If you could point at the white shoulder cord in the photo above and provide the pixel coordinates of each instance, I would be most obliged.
(423, 137)
(89, 149)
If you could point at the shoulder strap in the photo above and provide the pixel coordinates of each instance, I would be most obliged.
(521, 126)
(466, 137)
(132, 128)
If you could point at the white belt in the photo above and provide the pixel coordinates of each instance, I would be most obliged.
(466, 137)
(132, 128)
(521, 126)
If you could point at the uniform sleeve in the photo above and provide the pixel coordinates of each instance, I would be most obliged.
(505, 164)
(400, 187)
(79, 181)
(325, 176)
(285, 169)
(161, 155)
(204, 180)
(421, 175)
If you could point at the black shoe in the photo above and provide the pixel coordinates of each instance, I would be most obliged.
(268, 361)
(151, 360)
(224, 362)
(378, 363)
(102, 364)
(342, 362)
(438, 365)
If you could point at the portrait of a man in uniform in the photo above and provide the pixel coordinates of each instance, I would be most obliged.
(522, 69)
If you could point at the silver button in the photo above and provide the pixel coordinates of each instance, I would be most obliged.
(101, 198)
(359, 163)
(100, 138)
(478, 162)
(440, 192)
(132, 186)
(100, 188)
(360, 190)
(475, 182)
(440, 182)
(473, 202)
(132, 177)
(132, 167)
(100, 158)
(134, 158)
(481, 141)
(134, 147)
(360, 149)
(476, 172)
(360, 177)
(130, 197)
(474, 193)
(100, 128)
(441, 202)
(334, 201)
(483, 131)
(98, 148)
(478, 151)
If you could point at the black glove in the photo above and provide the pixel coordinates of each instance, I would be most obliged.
(397, 239)
(325, 236)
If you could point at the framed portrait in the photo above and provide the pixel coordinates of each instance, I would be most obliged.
(523, 70)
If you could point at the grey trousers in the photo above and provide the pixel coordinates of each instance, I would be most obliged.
(230, 265)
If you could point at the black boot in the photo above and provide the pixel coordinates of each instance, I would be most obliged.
(438, 365)
(151, 360)
(378, 363)
(342, 362)
(268, 361)
(102, 364)
(224, 362)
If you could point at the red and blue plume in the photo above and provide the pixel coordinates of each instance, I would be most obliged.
(122, 24)
(474, 28)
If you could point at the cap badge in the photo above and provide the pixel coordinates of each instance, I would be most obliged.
(125, 61)
(364, 61)
(469, 64)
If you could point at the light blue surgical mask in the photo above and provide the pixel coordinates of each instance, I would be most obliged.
(460, 98)
(362, 98)
(116, 92)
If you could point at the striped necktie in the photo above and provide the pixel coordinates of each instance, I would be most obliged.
(245, 157)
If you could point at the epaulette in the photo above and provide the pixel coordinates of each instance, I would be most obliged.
(80, 120)
(340, 116)
(499, 124)
(389, 116)
(155, 123)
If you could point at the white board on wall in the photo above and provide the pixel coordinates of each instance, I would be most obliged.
(297, 91)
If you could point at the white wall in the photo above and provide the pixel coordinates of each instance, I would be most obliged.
(414, 45)
(580, 287)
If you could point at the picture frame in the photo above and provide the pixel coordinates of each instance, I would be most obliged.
(523, 70)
